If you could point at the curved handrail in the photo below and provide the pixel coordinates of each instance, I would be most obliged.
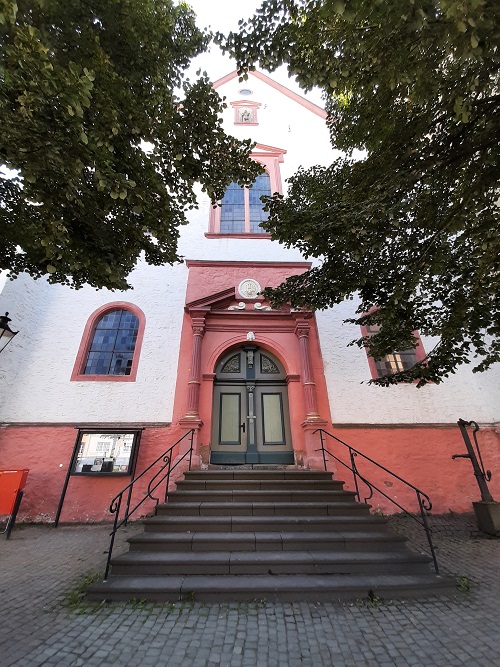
(424, 502)
(160, 476)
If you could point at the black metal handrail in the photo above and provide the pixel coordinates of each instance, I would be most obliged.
(158, 478)
(424, 502)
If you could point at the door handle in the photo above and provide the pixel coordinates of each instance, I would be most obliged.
(243, 427)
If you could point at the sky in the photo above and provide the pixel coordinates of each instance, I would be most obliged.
(223, 16)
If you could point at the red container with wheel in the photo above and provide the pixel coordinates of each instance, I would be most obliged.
(12, 483)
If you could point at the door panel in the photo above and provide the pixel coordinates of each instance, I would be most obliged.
(228, 434)
(273, 422)
(230, 418)
(272, 419)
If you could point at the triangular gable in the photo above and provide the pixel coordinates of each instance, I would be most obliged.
(277, 86)
(217, 300)
(262, 150)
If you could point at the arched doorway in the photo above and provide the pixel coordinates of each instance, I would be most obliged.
(251, 422)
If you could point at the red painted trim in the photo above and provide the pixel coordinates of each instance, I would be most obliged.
(419, 352)
(253, 106)
(310, 106)
(81, 357)
(260, 265)
(216, 235)
(225, 79)
(273, 150)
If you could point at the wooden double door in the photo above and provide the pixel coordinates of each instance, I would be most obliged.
(251, 422)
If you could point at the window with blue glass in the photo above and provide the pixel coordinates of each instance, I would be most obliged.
(112, 348)
(242, 208)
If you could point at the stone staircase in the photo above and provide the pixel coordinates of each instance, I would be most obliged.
(247, 534)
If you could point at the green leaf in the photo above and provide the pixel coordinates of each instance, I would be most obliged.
(339, 7)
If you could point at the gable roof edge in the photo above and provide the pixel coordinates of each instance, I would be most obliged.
(310, 106)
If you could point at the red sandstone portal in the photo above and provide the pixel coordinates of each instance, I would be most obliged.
(218, 319)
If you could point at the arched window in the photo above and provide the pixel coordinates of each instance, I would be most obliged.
(242, 209)
(111, 344)
(240, 212)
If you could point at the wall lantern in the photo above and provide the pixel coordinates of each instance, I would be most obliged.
(6, 333)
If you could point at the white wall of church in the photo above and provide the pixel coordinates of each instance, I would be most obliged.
(35, 370)
(25, 300)
(462, 395)
(43, 392)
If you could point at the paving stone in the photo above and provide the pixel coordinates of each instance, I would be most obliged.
(41, 565)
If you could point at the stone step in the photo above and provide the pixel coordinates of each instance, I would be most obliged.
(258, 473)
(258, 496)
(259, 509)
(266, 533)
(259, 484)
(286, 588)
(348, 541)
(267, 562)
(359, 516)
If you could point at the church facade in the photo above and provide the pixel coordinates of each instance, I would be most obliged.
(99, 384)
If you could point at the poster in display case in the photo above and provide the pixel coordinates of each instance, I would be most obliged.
(105, 452)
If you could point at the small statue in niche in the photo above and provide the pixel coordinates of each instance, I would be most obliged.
(246, 116)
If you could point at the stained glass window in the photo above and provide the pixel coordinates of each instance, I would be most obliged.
(112, 348)
(232, 216)
(260, 187)
(242, 209)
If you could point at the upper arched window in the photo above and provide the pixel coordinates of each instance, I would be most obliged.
(240, 212)
(111, 344)
(242, 208)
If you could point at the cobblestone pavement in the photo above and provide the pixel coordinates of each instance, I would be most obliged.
(41, 569)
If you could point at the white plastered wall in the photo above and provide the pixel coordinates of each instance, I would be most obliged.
(462, 395)
(43, 392)
(37, 366)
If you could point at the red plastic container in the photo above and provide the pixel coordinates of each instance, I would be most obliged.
(11, 482)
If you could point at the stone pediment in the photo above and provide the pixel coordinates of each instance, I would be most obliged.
(216, 301)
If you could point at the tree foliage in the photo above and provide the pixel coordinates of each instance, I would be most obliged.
(412, 228)
(84, 83)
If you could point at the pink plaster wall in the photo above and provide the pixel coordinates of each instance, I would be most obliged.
(43, 448)
(422, 456)
(207, 278)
